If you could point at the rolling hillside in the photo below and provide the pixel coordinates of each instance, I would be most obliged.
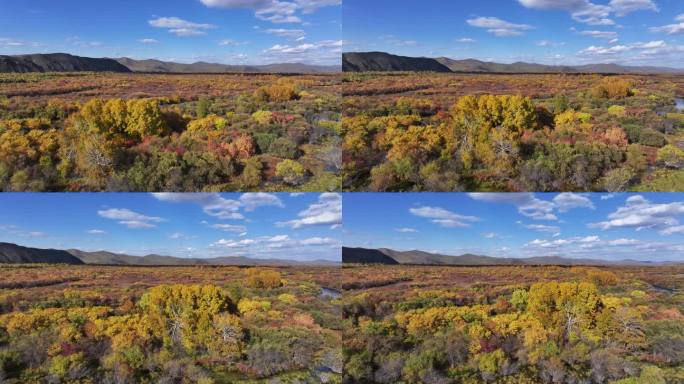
(62, 62)
(58, 62)
(157, 66)
(385, 62)
(16, 254)
(389, 256)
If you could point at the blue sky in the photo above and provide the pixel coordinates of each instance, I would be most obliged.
(607, 226)
(259, 225)
(635, 32)
(225, 31)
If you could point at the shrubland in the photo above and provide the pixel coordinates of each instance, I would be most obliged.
(449, 132)
(135, 132)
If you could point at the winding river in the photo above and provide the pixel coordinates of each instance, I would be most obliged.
(331, 293)
(680, 103)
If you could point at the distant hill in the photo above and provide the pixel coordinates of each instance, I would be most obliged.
(385, 62)
(389, 256)
(16, 254)
(63, 62)
(110, 258)
(58, 62)
(366, 256)
(157, 66)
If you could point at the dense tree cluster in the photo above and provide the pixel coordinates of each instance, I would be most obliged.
(591, 134)
(136, 142)
(172, 332)
(593, 328)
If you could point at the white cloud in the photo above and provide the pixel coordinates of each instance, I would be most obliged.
(5, 42)
(567, 201)
(96, 232)
(148, 41)
(584, 11)
(327, 211)
(544, 228)
(234, 244)
(278, 239)
(608, 35)
(275, 11)
(213, 204)
(466, 40)
(653, 52)
(75, 40)
(640, 213)
(319, 241)
(623, 241)
(229, 228)
(230, 42)
(499, 27)
(549, 43)
(677, 229)
(623, 7)
(286, 33)
(276, 242)
(130, 218)
(406, 230)
(180, 27)
(252, 201)
(671, 29)
(528, 205)
(443, 217)
(303, 48)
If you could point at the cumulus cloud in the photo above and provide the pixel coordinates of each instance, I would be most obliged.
(327, 211)
(499, 27)
(277, 242)
(671, 29)
(391, 39)
(130, 218)
(212, 204)
(6, 42)
(180, 27)
(275, 11)
(292, 34)
(325, 51)
(567, 201)
(639, 213)
(653, 52)
(231, 42)
(252, 201)
(148, 41)
(543, 228)
(406, 230)
(444, 217)
(96, 232)
(584, 11)
(528, 205)
(623, 7)
(608, 35)
(549, 43)
(229, 228)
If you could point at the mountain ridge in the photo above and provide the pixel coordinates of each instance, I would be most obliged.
(64, 62)
(16, 254)
(58, 62)
(416, 257)
(386, 62)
